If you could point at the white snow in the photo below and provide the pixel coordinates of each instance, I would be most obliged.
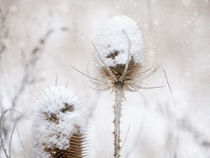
(116, 35)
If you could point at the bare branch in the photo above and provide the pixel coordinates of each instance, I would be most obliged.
(29, 65)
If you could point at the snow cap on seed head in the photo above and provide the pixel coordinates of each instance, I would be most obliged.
(114, 39)
(119, 47)
(58, 116)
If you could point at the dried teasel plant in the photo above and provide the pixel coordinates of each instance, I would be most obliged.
(59, 126)
(119, 47)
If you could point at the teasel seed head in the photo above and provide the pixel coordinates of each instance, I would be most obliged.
(59, 126)
(119, 46)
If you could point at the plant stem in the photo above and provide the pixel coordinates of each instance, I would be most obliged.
(117, 115)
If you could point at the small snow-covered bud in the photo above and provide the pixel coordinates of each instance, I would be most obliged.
(119, 46)
(58, 122)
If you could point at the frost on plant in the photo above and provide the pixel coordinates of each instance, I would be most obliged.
(119, 47)
(58, 122)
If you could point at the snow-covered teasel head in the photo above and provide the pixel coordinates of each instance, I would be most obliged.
(114, 39)
(58, 121)
(119, 46)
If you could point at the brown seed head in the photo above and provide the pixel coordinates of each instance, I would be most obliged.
(133, 73)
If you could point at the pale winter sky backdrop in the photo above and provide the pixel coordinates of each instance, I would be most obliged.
(177, 37)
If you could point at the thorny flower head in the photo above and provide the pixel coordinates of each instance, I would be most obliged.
(119, 47)
(58, 117)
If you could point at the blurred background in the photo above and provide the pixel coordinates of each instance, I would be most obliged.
(41, 39)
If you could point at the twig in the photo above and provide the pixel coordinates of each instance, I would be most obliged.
(32, 62)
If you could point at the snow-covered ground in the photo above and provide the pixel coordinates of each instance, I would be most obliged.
(40, 40)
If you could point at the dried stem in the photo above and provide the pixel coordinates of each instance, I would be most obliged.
(29, 66)
(117, 115)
